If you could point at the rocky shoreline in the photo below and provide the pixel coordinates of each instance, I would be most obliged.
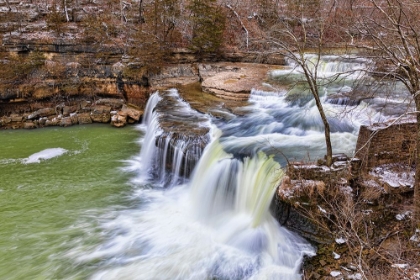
(108, 100)
(105, 110)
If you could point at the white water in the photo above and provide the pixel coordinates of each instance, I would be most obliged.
(44, 155)
(160, 147)
(217, 225)
(328, 66)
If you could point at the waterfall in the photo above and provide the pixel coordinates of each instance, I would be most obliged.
(202, 193)
(348, 67)
(236, 186)
(217, 225)
(167, 155)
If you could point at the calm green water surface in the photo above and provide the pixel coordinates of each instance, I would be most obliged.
(51, 207)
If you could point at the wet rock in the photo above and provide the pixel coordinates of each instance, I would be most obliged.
(29, 125)
(16, 118)
(133, 113)
(45, 112)
(118, 120)
(84, 118)
(67, 121)
(101, 113)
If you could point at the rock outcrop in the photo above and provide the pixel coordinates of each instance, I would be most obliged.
(78, 112)
(386, 143)
(233, 81)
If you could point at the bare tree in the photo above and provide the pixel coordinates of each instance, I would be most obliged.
(392, 29)
(308, 26)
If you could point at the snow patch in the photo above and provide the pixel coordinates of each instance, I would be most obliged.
(336, 256)
(322, 210)
(391, 175)
(335, 273)
(402, 216)
(416, 236)
(356, 276)
(400, 265)
(340, 240)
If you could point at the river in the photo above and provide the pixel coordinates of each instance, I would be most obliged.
(94, 202)
(56, 186)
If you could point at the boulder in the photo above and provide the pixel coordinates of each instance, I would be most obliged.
(117, 68)
(67, 121)
(181, 74)
(52, 122)
(5, 120)
(85, 106)
(101, 113)
(45, 112)
(233, 81)
(84, 118)
(118, 120)
(67, 110)
(16, 118)
(29, 125)
(42, 121)
(132, 112)
(74, 119)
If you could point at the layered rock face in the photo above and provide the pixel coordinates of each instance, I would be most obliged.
(52, 54)
(65, 74)
(106, 110)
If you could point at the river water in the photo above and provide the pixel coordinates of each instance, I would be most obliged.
(56, 186)
(93, 202)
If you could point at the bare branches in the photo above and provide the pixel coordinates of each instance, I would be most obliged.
(242, 24)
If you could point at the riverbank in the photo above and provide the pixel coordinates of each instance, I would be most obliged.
(228, 82)
(359, 220)
(105, 110)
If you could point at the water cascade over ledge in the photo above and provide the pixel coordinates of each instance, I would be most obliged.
(204, 185)
(214, 226)
(175, 138)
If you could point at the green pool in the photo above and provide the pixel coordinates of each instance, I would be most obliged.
(55, 186)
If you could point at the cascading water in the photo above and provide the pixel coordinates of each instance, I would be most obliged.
(166, 151)
(348, 67)
(216, 225)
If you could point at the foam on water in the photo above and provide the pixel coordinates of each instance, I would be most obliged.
(44, 155)
(328, 66)
(39, 156)
(216, 227)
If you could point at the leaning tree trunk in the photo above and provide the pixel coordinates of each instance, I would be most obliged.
(313, 87)
(327, 130)
(416, 201)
